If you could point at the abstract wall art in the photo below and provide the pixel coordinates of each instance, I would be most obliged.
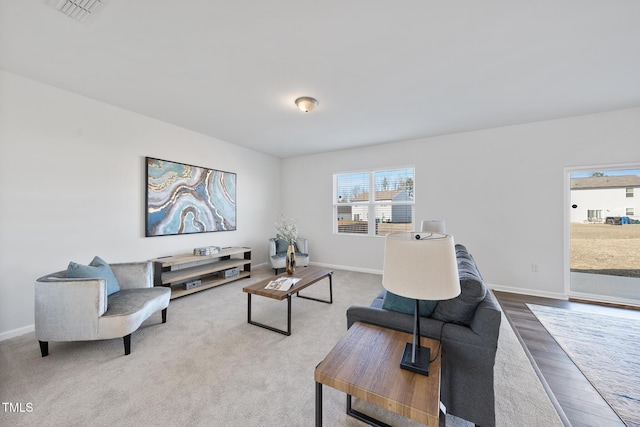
(184, 199)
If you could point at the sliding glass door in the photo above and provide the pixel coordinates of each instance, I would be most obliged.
(604, 224)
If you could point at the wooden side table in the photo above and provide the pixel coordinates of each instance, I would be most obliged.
(366, 364)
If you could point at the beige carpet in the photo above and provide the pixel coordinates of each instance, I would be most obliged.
(207, 367)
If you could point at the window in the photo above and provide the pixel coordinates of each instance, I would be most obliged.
(630, 212)
(594, 215)
(373, 203)
(629, 192)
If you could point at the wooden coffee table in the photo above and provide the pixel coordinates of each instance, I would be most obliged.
(366, 364)
(307, 275)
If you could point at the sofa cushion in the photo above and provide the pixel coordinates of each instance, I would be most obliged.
(96, 269)
(400, 304)
(130, 301)
(472, 291)
(281, 246)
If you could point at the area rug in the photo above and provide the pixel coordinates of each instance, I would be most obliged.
(605, 348)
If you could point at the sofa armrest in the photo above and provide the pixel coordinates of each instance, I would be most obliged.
(271, 247)
(68, 309)
(133, 275)
(302, 245)
(429, 327)
(378, 316)
(487, 318)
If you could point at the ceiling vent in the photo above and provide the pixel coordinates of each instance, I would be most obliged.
(80, 10)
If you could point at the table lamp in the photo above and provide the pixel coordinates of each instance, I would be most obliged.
(433, 226)
(421, 266)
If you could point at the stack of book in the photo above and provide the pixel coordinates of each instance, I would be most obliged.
(207, 250)
(282, 283)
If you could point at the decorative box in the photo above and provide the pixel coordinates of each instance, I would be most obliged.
(230, 272)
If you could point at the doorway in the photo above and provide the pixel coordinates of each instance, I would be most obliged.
(604, 234)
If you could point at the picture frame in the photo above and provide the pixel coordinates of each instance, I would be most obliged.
(184, 199)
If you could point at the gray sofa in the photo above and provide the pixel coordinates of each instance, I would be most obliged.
(469, 324)
(81, 309)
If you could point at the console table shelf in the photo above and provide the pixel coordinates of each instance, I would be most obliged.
(175, 271)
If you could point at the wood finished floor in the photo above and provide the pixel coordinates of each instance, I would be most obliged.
(579, 400)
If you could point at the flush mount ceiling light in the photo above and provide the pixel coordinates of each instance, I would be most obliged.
(306, 104)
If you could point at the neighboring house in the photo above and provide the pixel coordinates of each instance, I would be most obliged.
(361, 213)
(597, 197)
(384, 213)
(401, 213)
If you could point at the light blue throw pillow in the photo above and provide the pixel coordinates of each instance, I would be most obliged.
(96, 269)
(281, 246)
(400, 304)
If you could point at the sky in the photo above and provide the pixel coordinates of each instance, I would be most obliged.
(607, 173)
(361, 180)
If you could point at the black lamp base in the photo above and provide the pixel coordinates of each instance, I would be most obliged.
(421, 365)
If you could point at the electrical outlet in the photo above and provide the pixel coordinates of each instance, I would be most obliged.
(535, 268)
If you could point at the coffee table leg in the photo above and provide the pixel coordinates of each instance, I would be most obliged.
(289, 314)
(271, 328)
(318, 404)
(330, 301)
(249, 308)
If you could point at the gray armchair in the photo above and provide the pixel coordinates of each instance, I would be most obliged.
(278, 253)
(74, 309)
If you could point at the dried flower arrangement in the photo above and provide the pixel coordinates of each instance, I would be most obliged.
(287, 229)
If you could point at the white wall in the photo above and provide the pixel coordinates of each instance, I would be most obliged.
(501, 192)
(72, 182)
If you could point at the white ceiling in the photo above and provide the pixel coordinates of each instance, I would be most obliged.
(382, 70)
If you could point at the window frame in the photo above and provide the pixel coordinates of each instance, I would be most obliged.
(371, 204)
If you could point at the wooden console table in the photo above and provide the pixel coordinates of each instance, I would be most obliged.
(366, 364)
(175, 271)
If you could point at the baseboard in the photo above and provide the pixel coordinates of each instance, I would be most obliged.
(618, 302)
(347, 268)
(16, 332)
(576, 296)
(531, 292)
(262, 264)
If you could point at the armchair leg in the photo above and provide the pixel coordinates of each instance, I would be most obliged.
(127, 344)
(44, 348)
(164, 315)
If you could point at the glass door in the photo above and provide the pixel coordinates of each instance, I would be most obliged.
(604, 224)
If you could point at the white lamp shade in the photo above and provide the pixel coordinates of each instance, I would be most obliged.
(423, 267)
(433, 226)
